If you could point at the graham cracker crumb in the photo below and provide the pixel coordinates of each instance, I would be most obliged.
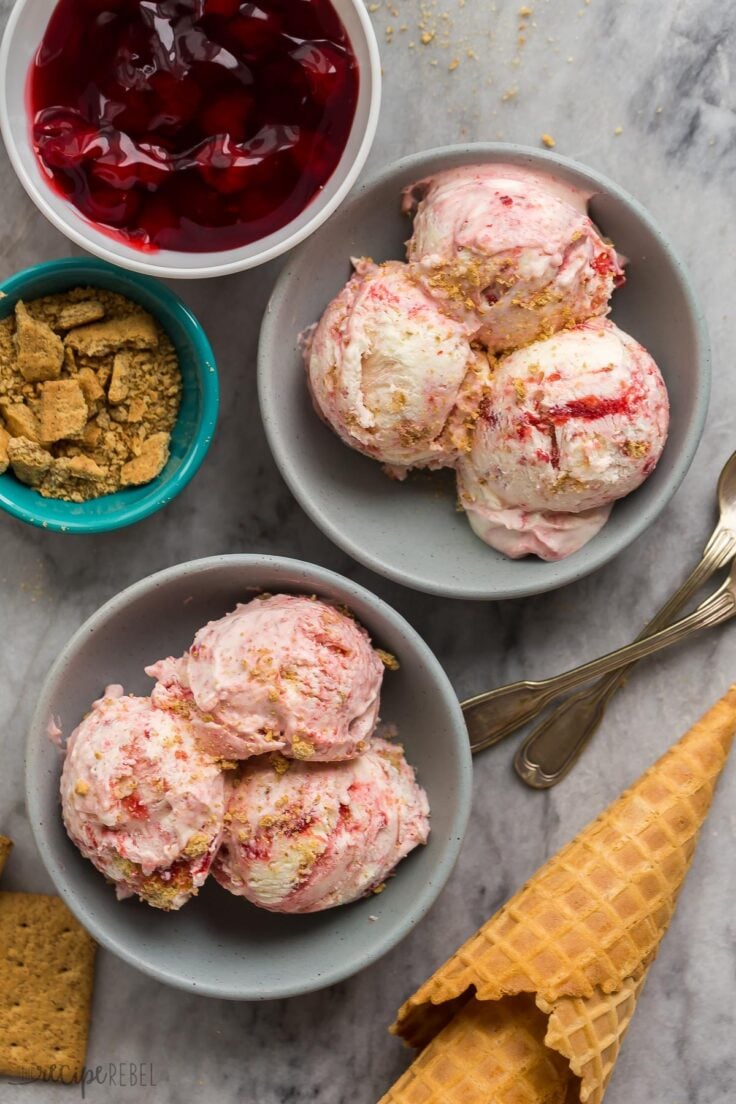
(389, 661)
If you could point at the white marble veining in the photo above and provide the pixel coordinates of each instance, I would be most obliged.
(661, 73)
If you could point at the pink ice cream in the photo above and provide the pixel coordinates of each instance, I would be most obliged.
(313, 836)
(571, 424)
(392, 375)
(281, 673)
(141, 800)
(509, 252)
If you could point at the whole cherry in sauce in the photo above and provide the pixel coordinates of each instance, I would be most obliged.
(192, 125)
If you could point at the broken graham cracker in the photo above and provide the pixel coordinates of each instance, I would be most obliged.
(28, 460)
(118, 387)
(63, 410)
(4, 458)
(79, 314)
(92, 389)
(46, 979)
(105, 421)
(137, 331)
(153, 457)
(6, 846)
(39, 351)
(20, 421)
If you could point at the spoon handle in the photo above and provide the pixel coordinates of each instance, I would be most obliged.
(509, 706)
(549, 752)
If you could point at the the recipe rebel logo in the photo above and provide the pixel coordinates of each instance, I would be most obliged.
(111, 1075)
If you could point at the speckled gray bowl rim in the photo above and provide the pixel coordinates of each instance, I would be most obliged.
(563, 571)
(314, 576)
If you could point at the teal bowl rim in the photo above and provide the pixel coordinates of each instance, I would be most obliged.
(206, 368)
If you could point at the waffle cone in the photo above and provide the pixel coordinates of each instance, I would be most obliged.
(489, 1051)
(580, 936)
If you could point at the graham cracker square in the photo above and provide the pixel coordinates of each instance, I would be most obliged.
(46, 978)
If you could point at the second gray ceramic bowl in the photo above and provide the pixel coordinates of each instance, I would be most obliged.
(410, 531)
(218, 944)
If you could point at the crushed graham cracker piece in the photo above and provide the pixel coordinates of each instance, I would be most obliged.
(4, 458)
(92, 435)
(548, 141)
(63, 410)
(39, 351)
(389, 661)
(77, 467)
(136, 331)
(117, 390)
(28, 460)
(20, 421)
(197, 845)
(152, 459)
(301, 748)
(80, 314)
(136, 409)
(91, 388)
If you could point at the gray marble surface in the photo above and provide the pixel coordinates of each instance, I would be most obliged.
(643, 92)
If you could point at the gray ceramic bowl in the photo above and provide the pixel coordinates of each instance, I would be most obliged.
(411, 532)
(218, 944)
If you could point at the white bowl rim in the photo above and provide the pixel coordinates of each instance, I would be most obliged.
(314, 573)
(563, 571)
(136, 261)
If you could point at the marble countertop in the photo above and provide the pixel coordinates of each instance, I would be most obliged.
(642, 92)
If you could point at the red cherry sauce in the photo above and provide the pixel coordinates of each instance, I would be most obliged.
(192, 125)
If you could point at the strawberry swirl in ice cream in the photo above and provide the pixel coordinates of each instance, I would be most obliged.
(571, 424)
(301, 837)
(510, 253)
(141, 800)
(394, 376)
(280, 673)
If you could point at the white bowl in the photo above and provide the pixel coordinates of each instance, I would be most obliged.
(23, 34)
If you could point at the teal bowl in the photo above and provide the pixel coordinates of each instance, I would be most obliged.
(195, 426)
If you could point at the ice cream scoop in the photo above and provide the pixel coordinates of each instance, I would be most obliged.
(570, 425)
(392, 375)
(509, 252)
(141, 799)
(280, 673)
(301, 837)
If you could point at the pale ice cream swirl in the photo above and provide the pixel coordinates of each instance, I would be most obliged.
(394, 376)
(142, 800)
(280, 673)
(510, 253)
(301, 837)
(570, 425)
